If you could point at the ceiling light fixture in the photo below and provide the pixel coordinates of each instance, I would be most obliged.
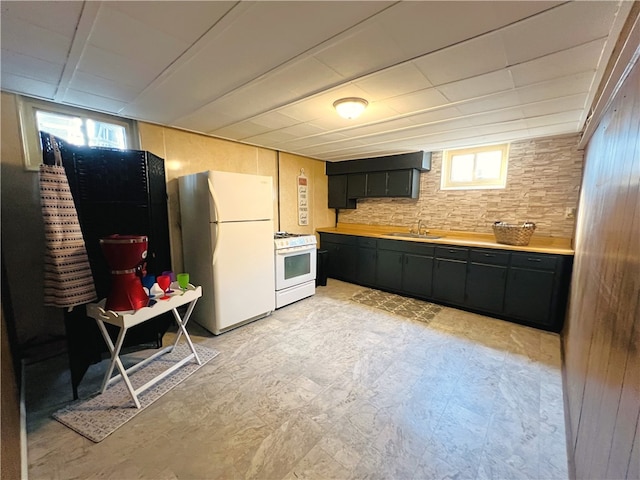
(350, 107)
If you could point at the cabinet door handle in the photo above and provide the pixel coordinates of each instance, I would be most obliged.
(489, 255)
(534, 259)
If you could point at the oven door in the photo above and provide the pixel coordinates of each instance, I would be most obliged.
(295, 265)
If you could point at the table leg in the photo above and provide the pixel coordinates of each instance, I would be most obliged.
(115, 361)
(182, 323)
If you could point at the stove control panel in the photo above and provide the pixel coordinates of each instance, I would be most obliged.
(295, 241)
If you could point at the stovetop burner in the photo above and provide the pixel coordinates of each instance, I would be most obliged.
(287, 240)
(287, 235)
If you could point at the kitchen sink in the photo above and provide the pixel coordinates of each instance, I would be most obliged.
(413, 235)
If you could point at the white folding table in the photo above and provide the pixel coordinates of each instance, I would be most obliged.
(128, 319)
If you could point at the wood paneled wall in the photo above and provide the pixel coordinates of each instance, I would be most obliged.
(601, 339)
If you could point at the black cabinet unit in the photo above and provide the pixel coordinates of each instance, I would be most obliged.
(356, 185)
(527, 288)
(343, 255)
(392, 176)
(367, 261)
(337, 186)
(486, 277)
(536, 291)
(115, 191)
(377, 184)
(449, 274)
(405, 267)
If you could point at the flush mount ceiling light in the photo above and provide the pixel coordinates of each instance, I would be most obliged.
(350, 107)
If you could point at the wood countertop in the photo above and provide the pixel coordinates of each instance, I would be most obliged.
(556, 245)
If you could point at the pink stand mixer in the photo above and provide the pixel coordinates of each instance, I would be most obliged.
(126, 256)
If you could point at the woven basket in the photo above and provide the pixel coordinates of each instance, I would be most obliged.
(513, 234)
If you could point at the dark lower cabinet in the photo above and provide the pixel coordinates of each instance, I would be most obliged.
(486, 277)
(485, 287)
(367, 261)
(417, 275)
(450, 274)
(449, 280)
(528, 288)
(389, 270)
(529, 295)
(342, 251)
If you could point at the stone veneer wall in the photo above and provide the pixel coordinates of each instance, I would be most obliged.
(543, 181)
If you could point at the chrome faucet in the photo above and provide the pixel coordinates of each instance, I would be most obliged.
(422, 230)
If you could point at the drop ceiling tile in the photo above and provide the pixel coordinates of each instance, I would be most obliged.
(271, 137)
(561, 87)
(82, 99)
(553, 130)
(468, 59)
(393, 82)
(136, 40)
(555, 105)
(494, 82)
(55, 16)
(33, 41)
(104, 87)
(572, 117)
(274, 120)
(184, 20)
(30, 67)
(28, 86)
(240, 130)
(563, 27)
(382, 127)
(497, 116)
(500, 127)
(417, 101)
(583, 58)
(102, 63)
(436, 115)
(489, 103)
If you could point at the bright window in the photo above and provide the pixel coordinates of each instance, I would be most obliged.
(475, 167)
(76, 126)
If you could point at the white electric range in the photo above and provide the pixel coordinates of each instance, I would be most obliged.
(295, 265)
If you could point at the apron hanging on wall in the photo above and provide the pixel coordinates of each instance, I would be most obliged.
(68, 280)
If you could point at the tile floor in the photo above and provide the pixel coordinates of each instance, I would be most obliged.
(328, 388)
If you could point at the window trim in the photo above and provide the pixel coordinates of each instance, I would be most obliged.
(501, 182)
(32, 150)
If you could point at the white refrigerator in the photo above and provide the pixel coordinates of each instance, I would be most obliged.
(227, 242)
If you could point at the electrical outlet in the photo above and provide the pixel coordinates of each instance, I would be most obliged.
(569, 213)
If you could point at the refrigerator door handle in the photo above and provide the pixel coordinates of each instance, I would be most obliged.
(212, 192)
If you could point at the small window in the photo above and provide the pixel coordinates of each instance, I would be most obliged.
(475, 167)
(74, 125)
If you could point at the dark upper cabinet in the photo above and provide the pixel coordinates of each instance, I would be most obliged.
(392, 176)
(345, 189)
(377, 184)
(337, 185)
(403, 183)
(356, 185)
